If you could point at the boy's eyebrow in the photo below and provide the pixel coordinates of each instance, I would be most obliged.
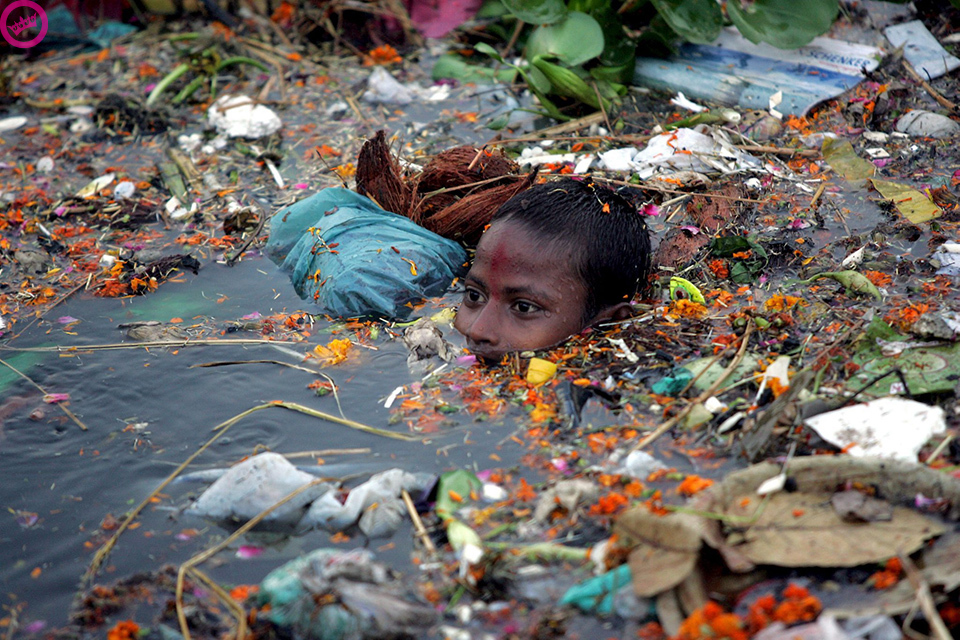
(525, 290)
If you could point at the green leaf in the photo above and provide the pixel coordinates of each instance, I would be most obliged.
(617, 76)
(492, 9)
(455, 67)
(537, 11)
(454, 484)
(483, 47)
(696, 20)
(538, 82)
(743, 270)
(499, 122)
(785, 24)
(574, 40)
(565, 82)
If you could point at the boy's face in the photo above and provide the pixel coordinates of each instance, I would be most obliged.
(521, 294)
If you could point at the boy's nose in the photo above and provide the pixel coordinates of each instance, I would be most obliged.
(481, 328)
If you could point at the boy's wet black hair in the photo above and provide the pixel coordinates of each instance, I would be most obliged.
(602, 231)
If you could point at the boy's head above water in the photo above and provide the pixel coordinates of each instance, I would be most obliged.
(557, 258)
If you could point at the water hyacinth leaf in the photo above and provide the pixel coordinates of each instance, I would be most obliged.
(456, 68)
(537, 11)
(618, 49)
(565, 82)
(538, 81)
(698, 21)
(783, 23)
(915, 206)
(574, 40)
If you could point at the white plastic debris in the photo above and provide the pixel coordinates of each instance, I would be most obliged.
(106, 261)
(947, 259)
(583, 164)
(777, 371)
(623, 351)
(13, 123)
(382, 488)
(125, 189)
(682, 102)
(927, 124)
(704, 149)
(535, 156)
(81, 125)
(772, 485)
(640, 464)
(253, 486)
(853, 260)
(45, 164)
(714, 405)
(773, 103)
(97, 185)
(383, 88)
(891, 427)
(877, 137)
(177, 211)
(618, 159)
(921, 49)
(240, 117)
(190, 143)
(80, 110)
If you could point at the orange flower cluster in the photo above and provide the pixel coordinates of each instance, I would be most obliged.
(687, 309)
(889, 576)
(719, 268)
(243, 591)
(711, 621)
(335, 352)
(797, 606)
(878, 278)
(904, 317)
(782, 302)
(693, 484)
(124, 630)
(384, 54)
(609, 504)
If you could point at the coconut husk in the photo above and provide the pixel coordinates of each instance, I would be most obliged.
(466, 218)
(379, 176)
(452, 168)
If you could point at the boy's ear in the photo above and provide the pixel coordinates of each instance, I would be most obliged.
(613, 313)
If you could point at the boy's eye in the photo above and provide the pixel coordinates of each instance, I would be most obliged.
(525, 308)
(472, 296)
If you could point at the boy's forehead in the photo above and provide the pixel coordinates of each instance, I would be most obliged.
(511, 251)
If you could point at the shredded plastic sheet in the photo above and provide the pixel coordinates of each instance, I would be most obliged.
(355, 259)
(886, 427)
(734, 71)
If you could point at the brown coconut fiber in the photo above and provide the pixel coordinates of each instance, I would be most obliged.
(379, 177)
(455, 195)
(465, 219)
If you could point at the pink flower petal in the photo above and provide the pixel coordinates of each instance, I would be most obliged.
(53, 398)
(247, 552)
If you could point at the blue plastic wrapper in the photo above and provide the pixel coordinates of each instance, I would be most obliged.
(381, 261)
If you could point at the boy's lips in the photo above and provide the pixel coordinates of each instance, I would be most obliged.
(492, 355)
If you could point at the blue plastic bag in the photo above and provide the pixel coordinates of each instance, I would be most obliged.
(354, 259)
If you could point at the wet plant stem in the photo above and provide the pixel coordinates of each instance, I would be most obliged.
(179, 71)
(69, 413)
